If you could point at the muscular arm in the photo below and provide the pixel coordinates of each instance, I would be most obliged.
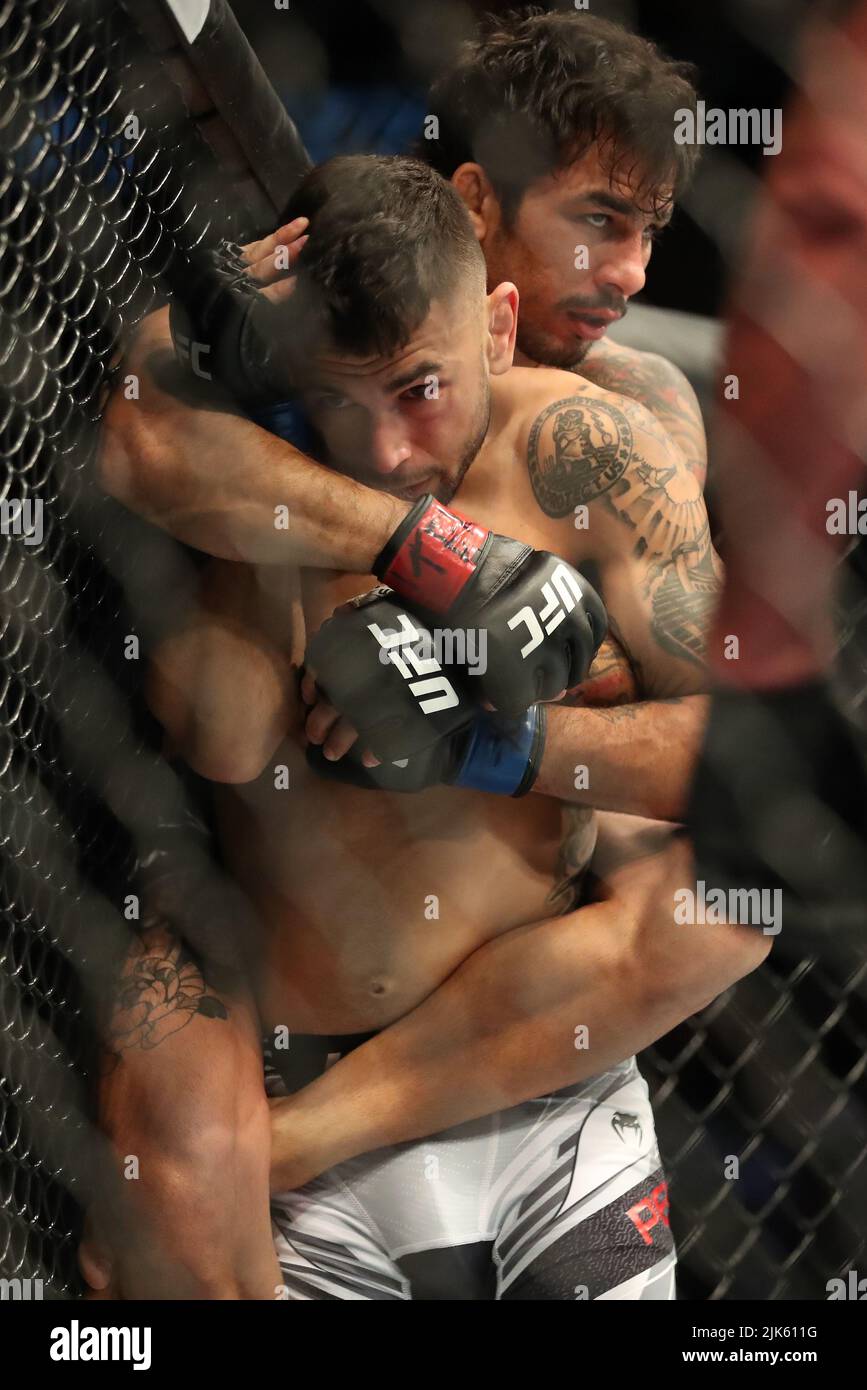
(645, 524)
(502, 1028)
(505, 1020)
(181, 1094)
(181, 455)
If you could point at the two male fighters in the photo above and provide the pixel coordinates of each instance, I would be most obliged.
(427, 919)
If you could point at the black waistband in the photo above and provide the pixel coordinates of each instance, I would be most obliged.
(342, 1042)
(307, 1054)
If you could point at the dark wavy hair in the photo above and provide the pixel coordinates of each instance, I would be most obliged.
(533, 92)
(388, 236)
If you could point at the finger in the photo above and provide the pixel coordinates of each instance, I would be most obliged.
(369, 759)
(309, 693)
(320, 722)
(340, 740)
(257, 250)
(280, 291)
(265, 271)
(278, 254)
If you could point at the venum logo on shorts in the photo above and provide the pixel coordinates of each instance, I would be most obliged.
(650, 1211)
(434, 691)
(624, 1125)
(555, 607)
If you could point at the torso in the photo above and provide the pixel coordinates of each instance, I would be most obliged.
(369, 900)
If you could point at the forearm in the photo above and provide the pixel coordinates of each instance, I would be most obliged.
(539, 1008)
(611, 758)
(183, 457)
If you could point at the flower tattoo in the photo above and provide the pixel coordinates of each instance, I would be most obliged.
(162, 988)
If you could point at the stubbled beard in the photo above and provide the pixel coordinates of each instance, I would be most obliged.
(447, 487)
(547, 352)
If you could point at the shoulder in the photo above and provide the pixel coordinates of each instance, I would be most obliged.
(584, 442)
(631, 371)
(658, 384)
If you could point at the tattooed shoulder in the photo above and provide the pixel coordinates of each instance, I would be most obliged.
(578, 448)
(659, 385)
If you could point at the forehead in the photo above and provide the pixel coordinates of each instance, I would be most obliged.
(591, 174)
(450, 328)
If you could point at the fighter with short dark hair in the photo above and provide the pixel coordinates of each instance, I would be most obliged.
(435, 941)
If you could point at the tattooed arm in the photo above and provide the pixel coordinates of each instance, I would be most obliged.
(182, 1103)
(644, 523)
(660, 386)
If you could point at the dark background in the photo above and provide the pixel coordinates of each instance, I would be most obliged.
(353, 74)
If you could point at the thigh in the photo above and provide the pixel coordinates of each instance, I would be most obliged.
(404, 1222)
(329, 1247)
(581, 1206)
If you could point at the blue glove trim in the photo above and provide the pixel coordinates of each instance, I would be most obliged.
(502, 754)
(288, 420)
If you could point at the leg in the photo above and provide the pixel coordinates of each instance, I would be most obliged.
(581, 1205)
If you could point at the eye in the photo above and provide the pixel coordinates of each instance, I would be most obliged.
(424, 391)
(602, 219)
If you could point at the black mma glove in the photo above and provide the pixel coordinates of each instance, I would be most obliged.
(373, 661)
(492, 754)
(224, 329)
(543, 620)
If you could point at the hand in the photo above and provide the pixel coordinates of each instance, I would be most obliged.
(372, 663)
(225, 329)
(261, 259)
(542, 620)
(326, 727)
(419, 728)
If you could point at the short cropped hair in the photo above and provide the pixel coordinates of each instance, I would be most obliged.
(533, 92)
(388, 236)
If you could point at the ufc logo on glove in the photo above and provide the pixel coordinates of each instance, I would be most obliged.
(437, 689)
(568, 593)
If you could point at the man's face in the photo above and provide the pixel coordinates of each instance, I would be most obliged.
(411, 423)
(566, 308)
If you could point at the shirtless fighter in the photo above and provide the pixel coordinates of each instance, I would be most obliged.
(534, 120)
(428, 919)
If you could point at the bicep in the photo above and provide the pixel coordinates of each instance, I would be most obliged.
(662, 613)
(223, 684)
(645, 526)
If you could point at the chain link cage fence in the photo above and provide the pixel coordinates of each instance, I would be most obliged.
(117, 156)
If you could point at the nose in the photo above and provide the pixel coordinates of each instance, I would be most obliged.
(389, 447)
(624, 267)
